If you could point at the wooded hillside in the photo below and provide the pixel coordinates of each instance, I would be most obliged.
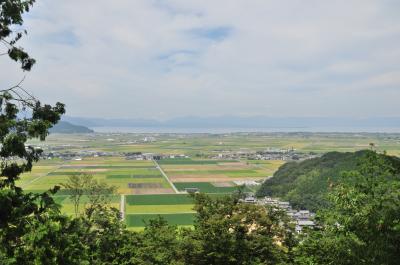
(306, 183)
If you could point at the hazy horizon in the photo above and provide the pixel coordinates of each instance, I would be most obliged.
(226, 124)
(159, 119)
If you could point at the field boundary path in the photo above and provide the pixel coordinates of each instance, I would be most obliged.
(24, 184)
(122, 207)
(166, 177)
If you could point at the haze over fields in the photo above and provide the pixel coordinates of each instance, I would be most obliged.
(223, 124)
(166, 59)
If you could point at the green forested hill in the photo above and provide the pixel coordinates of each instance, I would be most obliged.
(66, 127)
(306, 183)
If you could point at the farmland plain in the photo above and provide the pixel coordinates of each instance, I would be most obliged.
(149, 193)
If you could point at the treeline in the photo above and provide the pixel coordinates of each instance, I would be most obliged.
(306, 184)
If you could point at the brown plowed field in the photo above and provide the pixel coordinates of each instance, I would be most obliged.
(222, 184)
(207, 178)
(227, 166)
(152, 191)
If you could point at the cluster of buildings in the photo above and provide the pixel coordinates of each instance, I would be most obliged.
(302, 218)
(247, 182)
(281, 154)
(151, 156)
(289, 154)
(78, 155)
(146, 139)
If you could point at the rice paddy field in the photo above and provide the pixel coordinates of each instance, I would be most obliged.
(175, 208)
(129, 177)
(151, 188)
(147, 191)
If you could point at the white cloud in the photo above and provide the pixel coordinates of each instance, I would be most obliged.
(149, 58)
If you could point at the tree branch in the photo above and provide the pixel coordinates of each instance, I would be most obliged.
(20, 94)
(14, 87)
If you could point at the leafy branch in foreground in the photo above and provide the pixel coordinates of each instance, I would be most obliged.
(11, 12)
(27, 221)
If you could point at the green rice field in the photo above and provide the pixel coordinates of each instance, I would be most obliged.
(154, 209)
(177, 209)
(159, 199)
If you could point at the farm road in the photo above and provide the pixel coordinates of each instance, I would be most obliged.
(166, 177)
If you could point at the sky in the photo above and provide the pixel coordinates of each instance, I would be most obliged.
(162, 59)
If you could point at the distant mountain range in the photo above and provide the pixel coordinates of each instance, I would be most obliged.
(241, 122)
(66, 127)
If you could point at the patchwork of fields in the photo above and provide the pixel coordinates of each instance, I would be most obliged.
(129, 177)
(147, 191)
(213, 176)
(159, 188)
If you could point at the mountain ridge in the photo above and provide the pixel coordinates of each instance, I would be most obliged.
(239, 122)
(67, 127)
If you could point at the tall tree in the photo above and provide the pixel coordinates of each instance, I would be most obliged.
(76, 187)
(98, 193)
(99, 197)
